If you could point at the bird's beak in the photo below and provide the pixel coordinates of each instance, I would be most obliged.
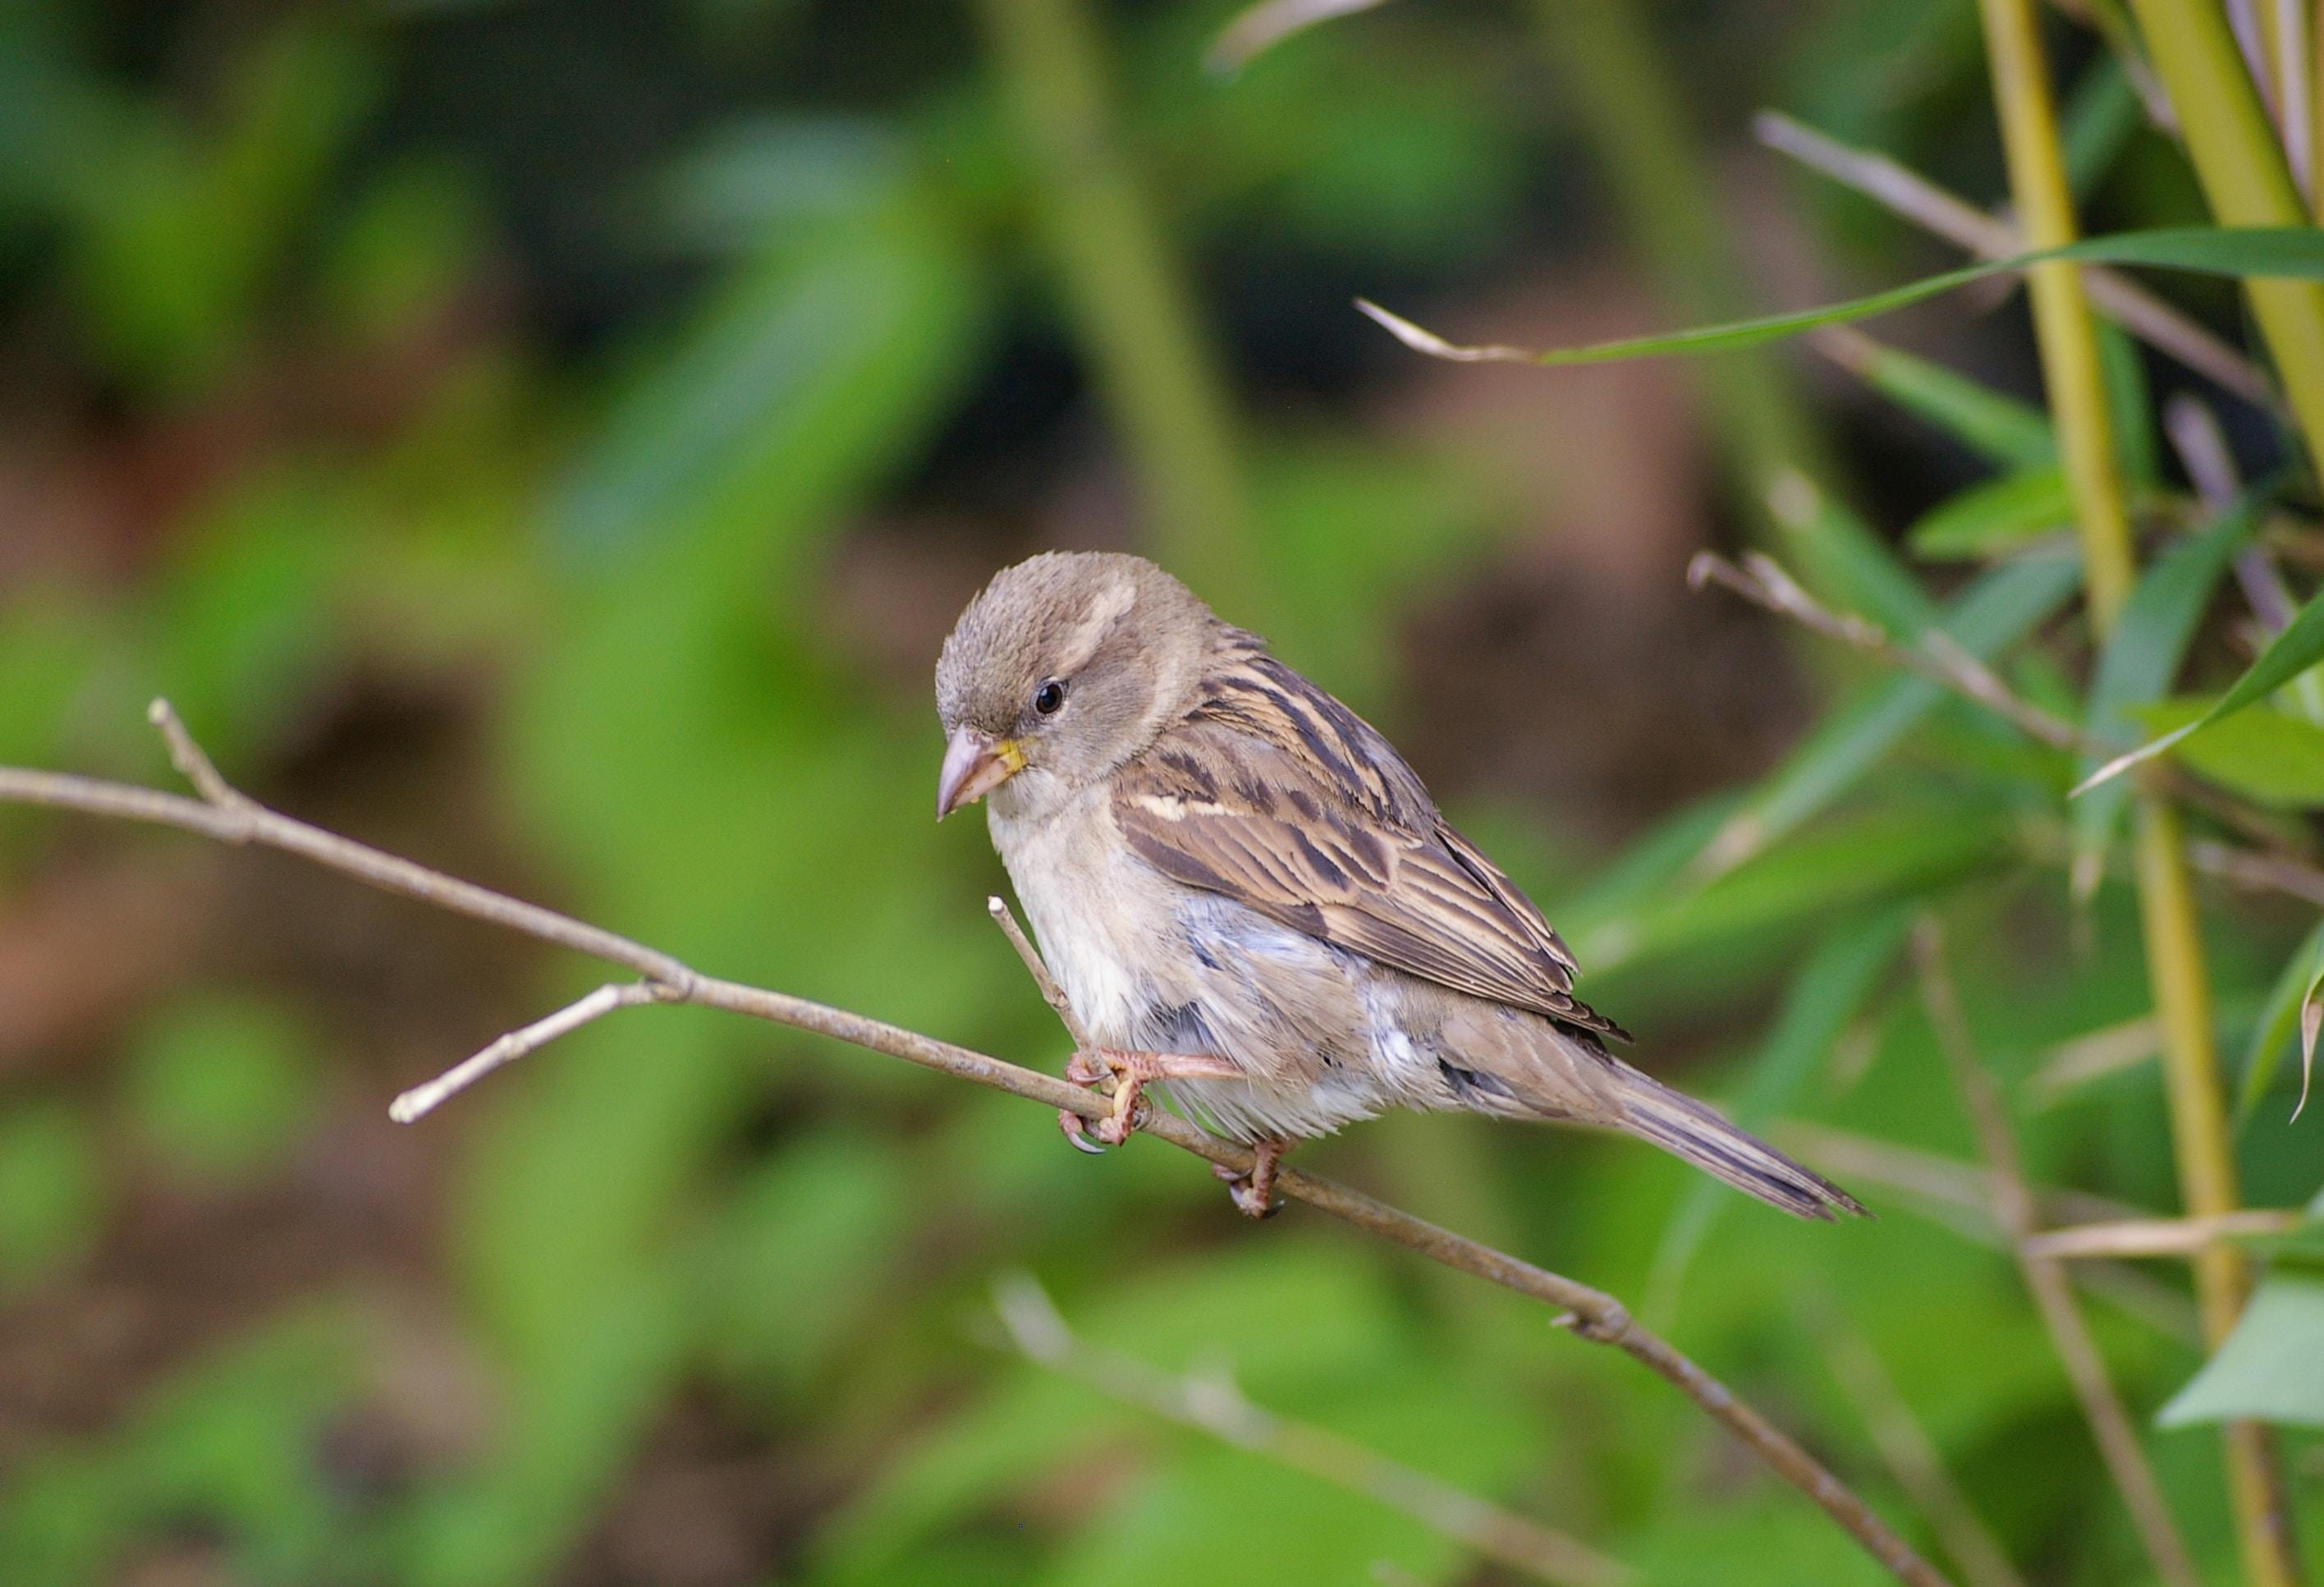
(974, 764)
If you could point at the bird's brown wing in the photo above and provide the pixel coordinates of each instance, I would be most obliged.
(1276, 796)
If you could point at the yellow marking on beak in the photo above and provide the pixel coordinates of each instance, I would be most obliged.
(974, 764)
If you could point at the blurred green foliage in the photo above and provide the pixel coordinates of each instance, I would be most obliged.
(627, 395)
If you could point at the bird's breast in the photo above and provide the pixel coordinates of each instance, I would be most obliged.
(1099, 921)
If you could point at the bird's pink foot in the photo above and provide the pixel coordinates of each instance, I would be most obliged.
(1130, 1073)
(1254, 1192)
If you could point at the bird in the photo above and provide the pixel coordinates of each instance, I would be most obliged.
(1250, 900)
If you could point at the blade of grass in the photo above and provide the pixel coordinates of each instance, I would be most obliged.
(1991, 519)
(2262, 254)
(2138, 660)
(2295, 651)
(1998, 427)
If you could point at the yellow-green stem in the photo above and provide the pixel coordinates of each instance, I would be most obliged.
(1123, 287)
(2244, 179)
(2175, 947)
(2207, 1170)
(2066, 337)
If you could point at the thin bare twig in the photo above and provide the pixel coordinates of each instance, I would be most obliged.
(1913, 196)
(1934, 1177)
(2046, 1278)
(2160, 1237)
(2106, 18)
(1213, 1403)
(1938, 658)
(1051, 993)
(2096, 1053)
(1589, 1314)
(2259, 871)
(2202, 447)
(422, 1100)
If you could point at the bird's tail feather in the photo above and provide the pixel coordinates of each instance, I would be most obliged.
(1687, 1130)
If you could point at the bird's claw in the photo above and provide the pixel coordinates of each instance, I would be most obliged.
(1253, 1191)
(1069, 1124)
(1128, 1073)
(1115, 1127)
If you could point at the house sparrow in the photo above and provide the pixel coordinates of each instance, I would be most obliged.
(1249, 898)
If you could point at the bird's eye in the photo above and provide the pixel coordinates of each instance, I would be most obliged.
(1048, 696)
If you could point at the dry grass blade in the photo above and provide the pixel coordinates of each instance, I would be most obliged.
(1262, 27)
(2085, 1058)
(1214, 1403)
(2161, 1237)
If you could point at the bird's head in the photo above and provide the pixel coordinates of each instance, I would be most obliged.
(1065, 666)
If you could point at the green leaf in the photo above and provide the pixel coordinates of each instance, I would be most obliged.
(2262, 754)
(2004, 432)
(1843, 560)
(2140, 658)
(2297, 649)
(2266, 1370)
(1841, 972)
(2291, 1006)
(1841, 864)
(2271, 253)
(1999, 609)
(1999, 515)
(2099, 117)
(2129, 404)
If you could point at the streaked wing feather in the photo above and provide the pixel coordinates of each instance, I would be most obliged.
(1276, 796)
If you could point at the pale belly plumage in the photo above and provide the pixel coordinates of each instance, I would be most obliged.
(1152, 965)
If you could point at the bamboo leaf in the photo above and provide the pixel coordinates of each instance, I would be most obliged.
(2129, 404)
(2267, 1368)
(2141, 657)
(1841, 559)
(2292, 1004)
(1999, 609)
(2267, 756)
(2000, 429)
(1997, 516)
(2297, 649)
(1842, 864)
(2294, 253)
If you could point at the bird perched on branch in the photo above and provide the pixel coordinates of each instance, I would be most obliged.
(1250, 899)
